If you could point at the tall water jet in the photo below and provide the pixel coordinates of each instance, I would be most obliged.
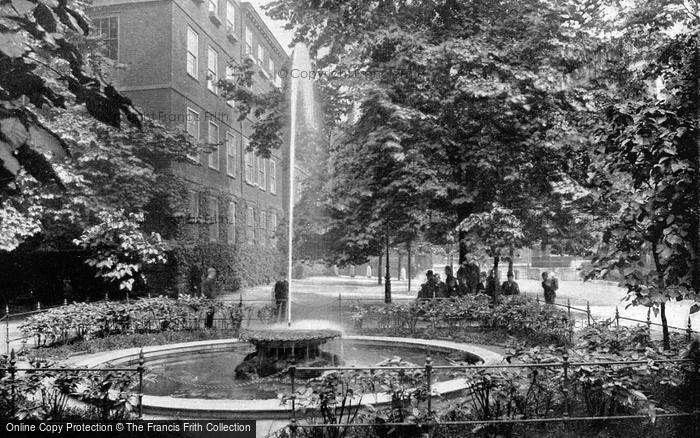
(301, 93)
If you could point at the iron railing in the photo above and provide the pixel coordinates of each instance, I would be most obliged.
(12, 369)
(429, 368)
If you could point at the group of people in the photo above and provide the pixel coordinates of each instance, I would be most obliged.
(458, 286)
(435, 287)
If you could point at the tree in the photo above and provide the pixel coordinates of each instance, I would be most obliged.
(498, 232)
(490, 125)
(121, 249)
(649, 165)
(33, 36)
(381, 186)
(114, 169)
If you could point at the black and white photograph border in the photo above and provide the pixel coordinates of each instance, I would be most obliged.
(350, 218)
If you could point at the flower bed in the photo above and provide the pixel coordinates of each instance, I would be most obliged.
(99, 319)
(518, 315)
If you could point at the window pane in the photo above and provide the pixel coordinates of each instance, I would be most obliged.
(213, 219)
(212, 68)
(213, 138)
(193, 128)
(248, 40)
(273, 176)
(192, 50)
(231, 163)
(231, 229)
(230, 15)
(108, 29)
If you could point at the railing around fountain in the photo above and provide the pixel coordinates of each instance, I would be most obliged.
(428, 372)
(12, 371)
(579, 317)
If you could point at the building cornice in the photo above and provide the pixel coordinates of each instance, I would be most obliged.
(262, 27)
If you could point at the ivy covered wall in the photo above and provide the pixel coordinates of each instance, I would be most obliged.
(243, 252)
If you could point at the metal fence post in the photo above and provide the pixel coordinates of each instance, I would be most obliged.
(292, 378)
(649, 318)
(65, 301)
(690, 329)
(141, 369)
(428, 377)
(13, 371)
(38, 305)
(588, 311)
(565, 387)
(568, 308)
(106, 296)
(7, 328)
(617, 317)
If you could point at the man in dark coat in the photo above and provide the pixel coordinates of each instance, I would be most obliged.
(510, 287)
(429, 288)
(450, 282)
(549, 287)
(281, 293)
(481, 285)
(209, 290)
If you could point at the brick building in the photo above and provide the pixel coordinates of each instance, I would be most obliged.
(174, 51)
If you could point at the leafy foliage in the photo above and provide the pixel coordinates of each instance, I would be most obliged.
(41, 394)
(518, 315)
(121, 249)
(647, 164)
(35, 35)
(89, 320)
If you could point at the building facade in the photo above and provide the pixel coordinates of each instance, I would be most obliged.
(173, 53)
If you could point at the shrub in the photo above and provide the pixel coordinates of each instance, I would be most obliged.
(44, 393)
(88, 320)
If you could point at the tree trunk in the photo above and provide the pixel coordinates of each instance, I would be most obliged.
(664, 328)
(462, 237)
(662, 285)
(511, 254)
(387, 278)
(379, 269)
(398, 272)
(496, 259)
(409, 274)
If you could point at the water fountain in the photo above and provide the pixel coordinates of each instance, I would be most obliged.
(277, 347)
(219, 378)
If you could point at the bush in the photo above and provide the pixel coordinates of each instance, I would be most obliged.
(52, 394)
(644, 388)
(100, 319)
(518, 315)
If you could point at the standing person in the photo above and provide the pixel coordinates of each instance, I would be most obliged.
(429, 288)
(481, 285)
(462, 287)
(491, 285)
(281, 293)
(510, 287)
(450, 282)
(209, 291)
(441, 288)
(549, 287)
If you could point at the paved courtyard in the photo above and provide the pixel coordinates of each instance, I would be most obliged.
(318, 298)
(330, 298)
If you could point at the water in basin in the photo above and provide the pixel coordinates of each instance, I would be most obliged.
(211, 374)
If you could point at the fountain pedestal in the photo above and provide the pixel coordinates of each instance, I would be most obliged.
(274, 350)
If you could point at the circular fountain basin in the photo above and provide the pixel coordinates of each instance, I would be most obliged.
(245, 404)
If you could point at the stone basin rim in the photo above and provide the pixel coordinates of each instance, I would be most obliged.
(264, 408)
